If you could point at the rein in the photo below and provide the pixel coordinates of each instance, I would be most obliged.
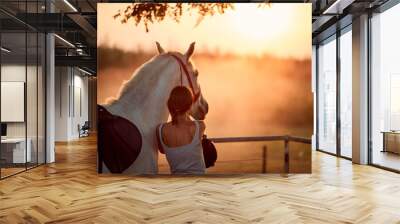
(182, 66)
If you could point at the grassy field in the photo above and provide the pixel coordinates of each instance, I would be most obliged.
(236, 158)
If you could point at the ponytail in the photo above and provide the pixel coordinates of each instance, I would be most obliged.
(174, 120)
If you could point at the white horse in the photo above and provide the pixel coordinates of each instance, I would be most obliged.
(143, 101)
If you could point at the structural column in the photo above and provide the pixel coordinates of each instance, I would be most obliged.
(360, 89)
(50, 91)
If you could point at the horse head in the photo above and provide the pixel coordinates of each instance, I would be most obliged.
(199, 108)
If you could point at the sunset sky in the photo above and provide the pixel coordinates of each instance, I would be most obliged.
(282, 30)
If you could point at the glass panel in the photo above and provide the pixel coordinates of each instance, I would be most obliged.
(385, 89)
(23, 90)
(41, 98)
(31, 98)
(31, 88)
(327, 96)
(346, 94)
(13, 87)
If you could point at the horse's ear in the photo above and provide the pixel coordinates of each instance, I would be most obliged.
(159, 48)
(190, 51)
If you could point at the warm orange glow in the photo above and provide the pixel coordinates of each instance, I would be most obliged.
(255, 23)
(282, 30)
(262, 87)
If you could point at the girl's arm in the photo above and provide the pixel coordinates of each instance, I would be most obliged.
(202, 128)
(160, 148)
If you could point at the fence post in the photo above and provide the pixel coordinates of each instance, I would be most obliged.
(264, 159)
(286, 154)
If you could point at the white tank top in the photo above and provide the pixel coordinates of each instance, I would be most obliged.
(185, 159)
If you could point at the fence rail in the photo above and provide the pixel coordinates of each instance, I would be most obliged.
(285, 138)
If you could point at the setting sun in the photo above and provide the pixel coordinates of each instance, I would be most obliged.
(256, 23)
(282, 30)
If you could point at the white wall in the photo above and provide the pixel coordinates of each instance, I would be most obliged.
(12, 73)
(61, 114)
(33, 127)
(71, 94)
(79, 117)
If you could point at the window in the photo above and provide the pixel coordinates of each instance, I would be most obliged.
(385, 89)
(346, 93)
(327, 96)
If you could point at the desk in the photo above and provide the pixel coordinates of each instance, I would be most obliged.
(13, 150)
(391, 141)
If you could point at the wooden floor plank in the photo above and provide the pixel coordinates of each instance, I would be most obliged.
(70, 191)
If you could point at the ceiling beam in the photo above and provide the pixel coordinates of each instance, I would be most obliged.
(337, 6)
(320, 22)
(49, 22)
(77, 61)
(84, 24)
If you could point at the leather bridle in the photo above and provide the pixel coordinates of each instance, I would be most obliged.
(196, 96)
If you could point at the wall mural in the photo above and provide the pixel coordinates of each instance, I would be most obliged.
(169, 73)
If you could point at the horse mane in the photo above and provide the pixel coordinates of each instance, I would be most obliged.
(143, 77)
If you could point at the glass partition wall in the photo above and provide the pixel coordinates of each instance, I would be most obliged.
(22, 88)
(14, 153)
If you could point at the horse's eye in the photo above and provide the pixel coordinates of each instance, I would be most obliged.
(196, 73)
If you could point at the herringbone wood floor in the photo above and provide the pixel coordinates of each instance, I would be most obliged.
(70, 191)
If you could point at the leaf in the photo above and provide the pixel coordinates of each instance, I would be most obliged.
(148, 13)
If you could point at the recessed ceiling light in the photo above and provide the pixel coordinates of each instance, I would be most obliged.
(5, 50)
(337, 7)
(64, 40)
(70, 5)
(84, 71)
